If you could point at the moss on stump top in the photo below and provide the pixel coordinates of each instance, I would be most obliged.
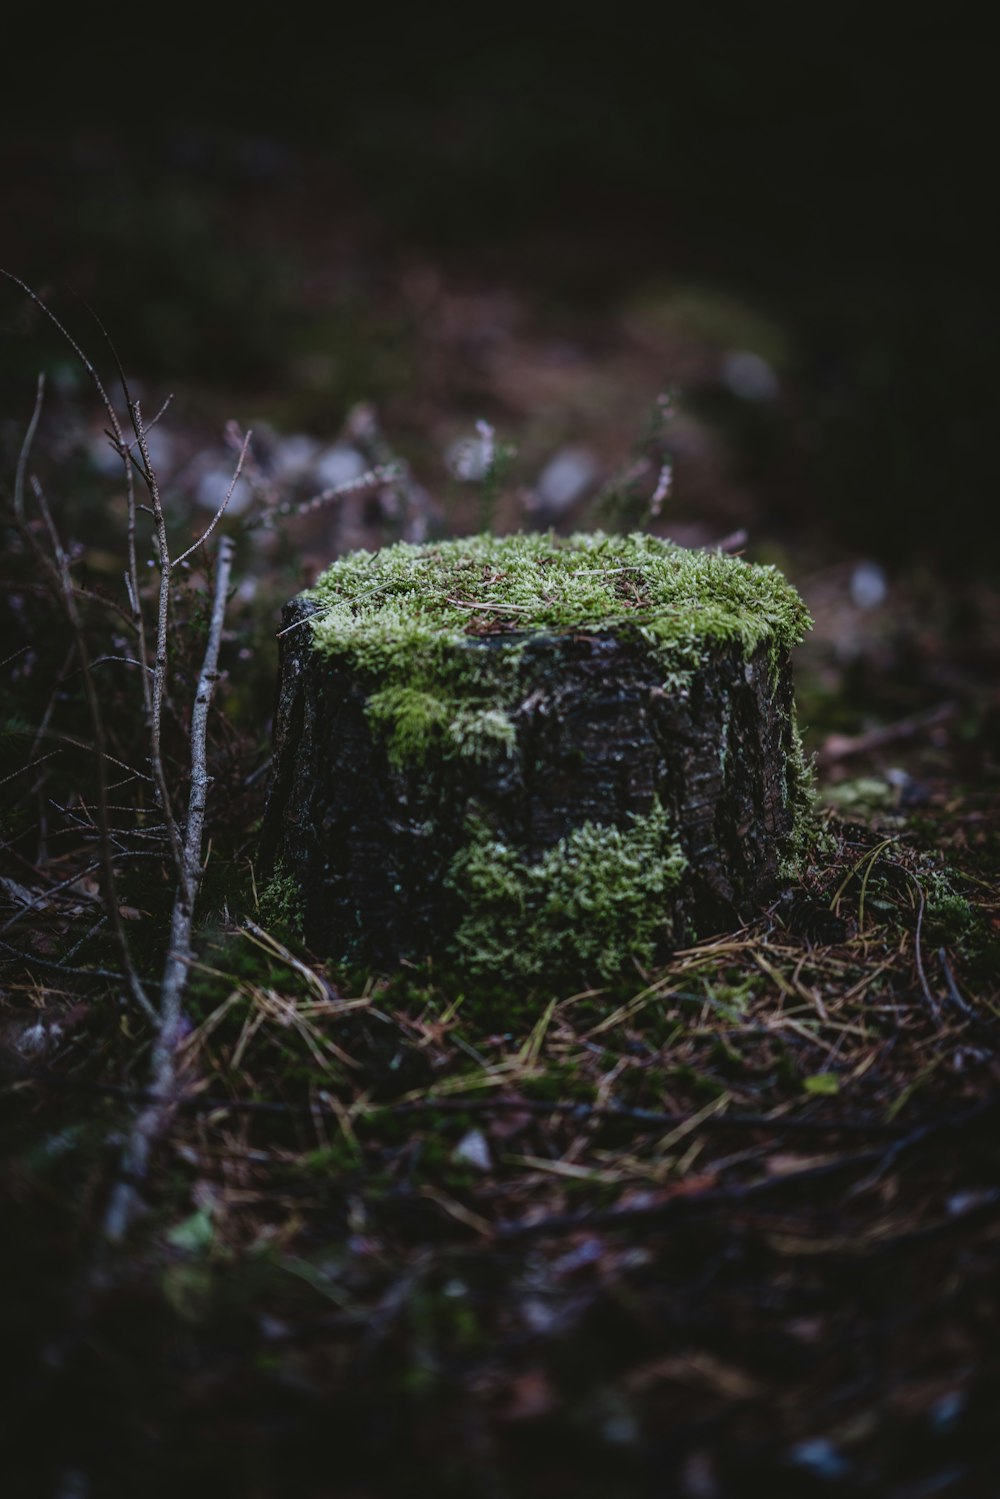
(387, 608)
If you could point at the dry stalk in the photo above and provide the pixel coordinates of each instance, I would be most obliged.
(152, 1120)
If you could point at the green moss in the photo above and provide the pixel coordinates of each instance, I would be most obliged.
(279, 904)
(412, 722)
(800, 798)
(482, 733)
(415, 723)
(587, 908)
(441, 628)
(949, 917)
(404, 608)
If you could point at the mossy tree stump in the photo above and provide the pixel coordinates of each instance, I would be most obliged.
(534, 757)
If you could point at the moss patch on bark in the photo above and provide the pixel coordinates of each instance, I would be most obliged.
(595, 903)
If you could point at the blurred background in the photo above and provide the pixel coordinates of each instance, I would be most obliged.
(546, 224)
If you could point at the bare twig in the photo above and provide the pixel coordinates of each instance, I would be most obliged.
(151, 1122)
(978, 1022)
(222, 508)
(31, 960)
(845, 746)
(374, 478)
(161, 659)
(32, 765)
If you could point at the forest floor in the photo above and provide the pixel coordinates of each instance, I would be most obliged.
(730, 1226)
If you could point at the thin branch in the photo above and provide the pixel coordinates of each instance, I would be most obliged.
(132, 579)
(222, 508)
(153, 1120)
(91, 749)
(64, 331)
(161, 659)
(845, 746)
(978, 1022)
(31, 960)
(31, 766)
(375, 478)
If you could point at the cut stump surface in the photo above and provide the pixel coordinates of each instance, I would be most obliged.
(534, 757)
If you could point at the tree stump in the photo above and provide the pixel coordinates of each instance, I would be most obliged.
(534, 757)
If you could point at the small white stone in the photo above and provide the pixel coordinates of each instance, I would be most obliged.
(293, 455)
(869, 588)
(339, 464)
(538, 1315)
(213, 486)
(749, 376)
(565, 478)
(473, 1150)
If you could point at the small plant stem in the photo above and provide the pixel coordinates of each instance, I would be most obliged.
(161, 659)
(153, 1119)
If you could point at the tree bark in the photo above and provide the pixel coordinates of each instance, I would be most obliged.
(599, 739)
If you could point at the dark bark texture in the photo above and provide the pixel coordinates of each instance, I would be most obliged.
(598, 738)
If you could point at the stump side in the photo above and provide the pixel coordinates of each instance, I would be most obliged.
(531, 801)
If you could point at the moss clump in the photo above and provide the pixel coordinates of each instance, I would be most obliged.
(587, 908)
(279, 904)
(800, 798)
(412, 722)
(483, 734)
(409, 604)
